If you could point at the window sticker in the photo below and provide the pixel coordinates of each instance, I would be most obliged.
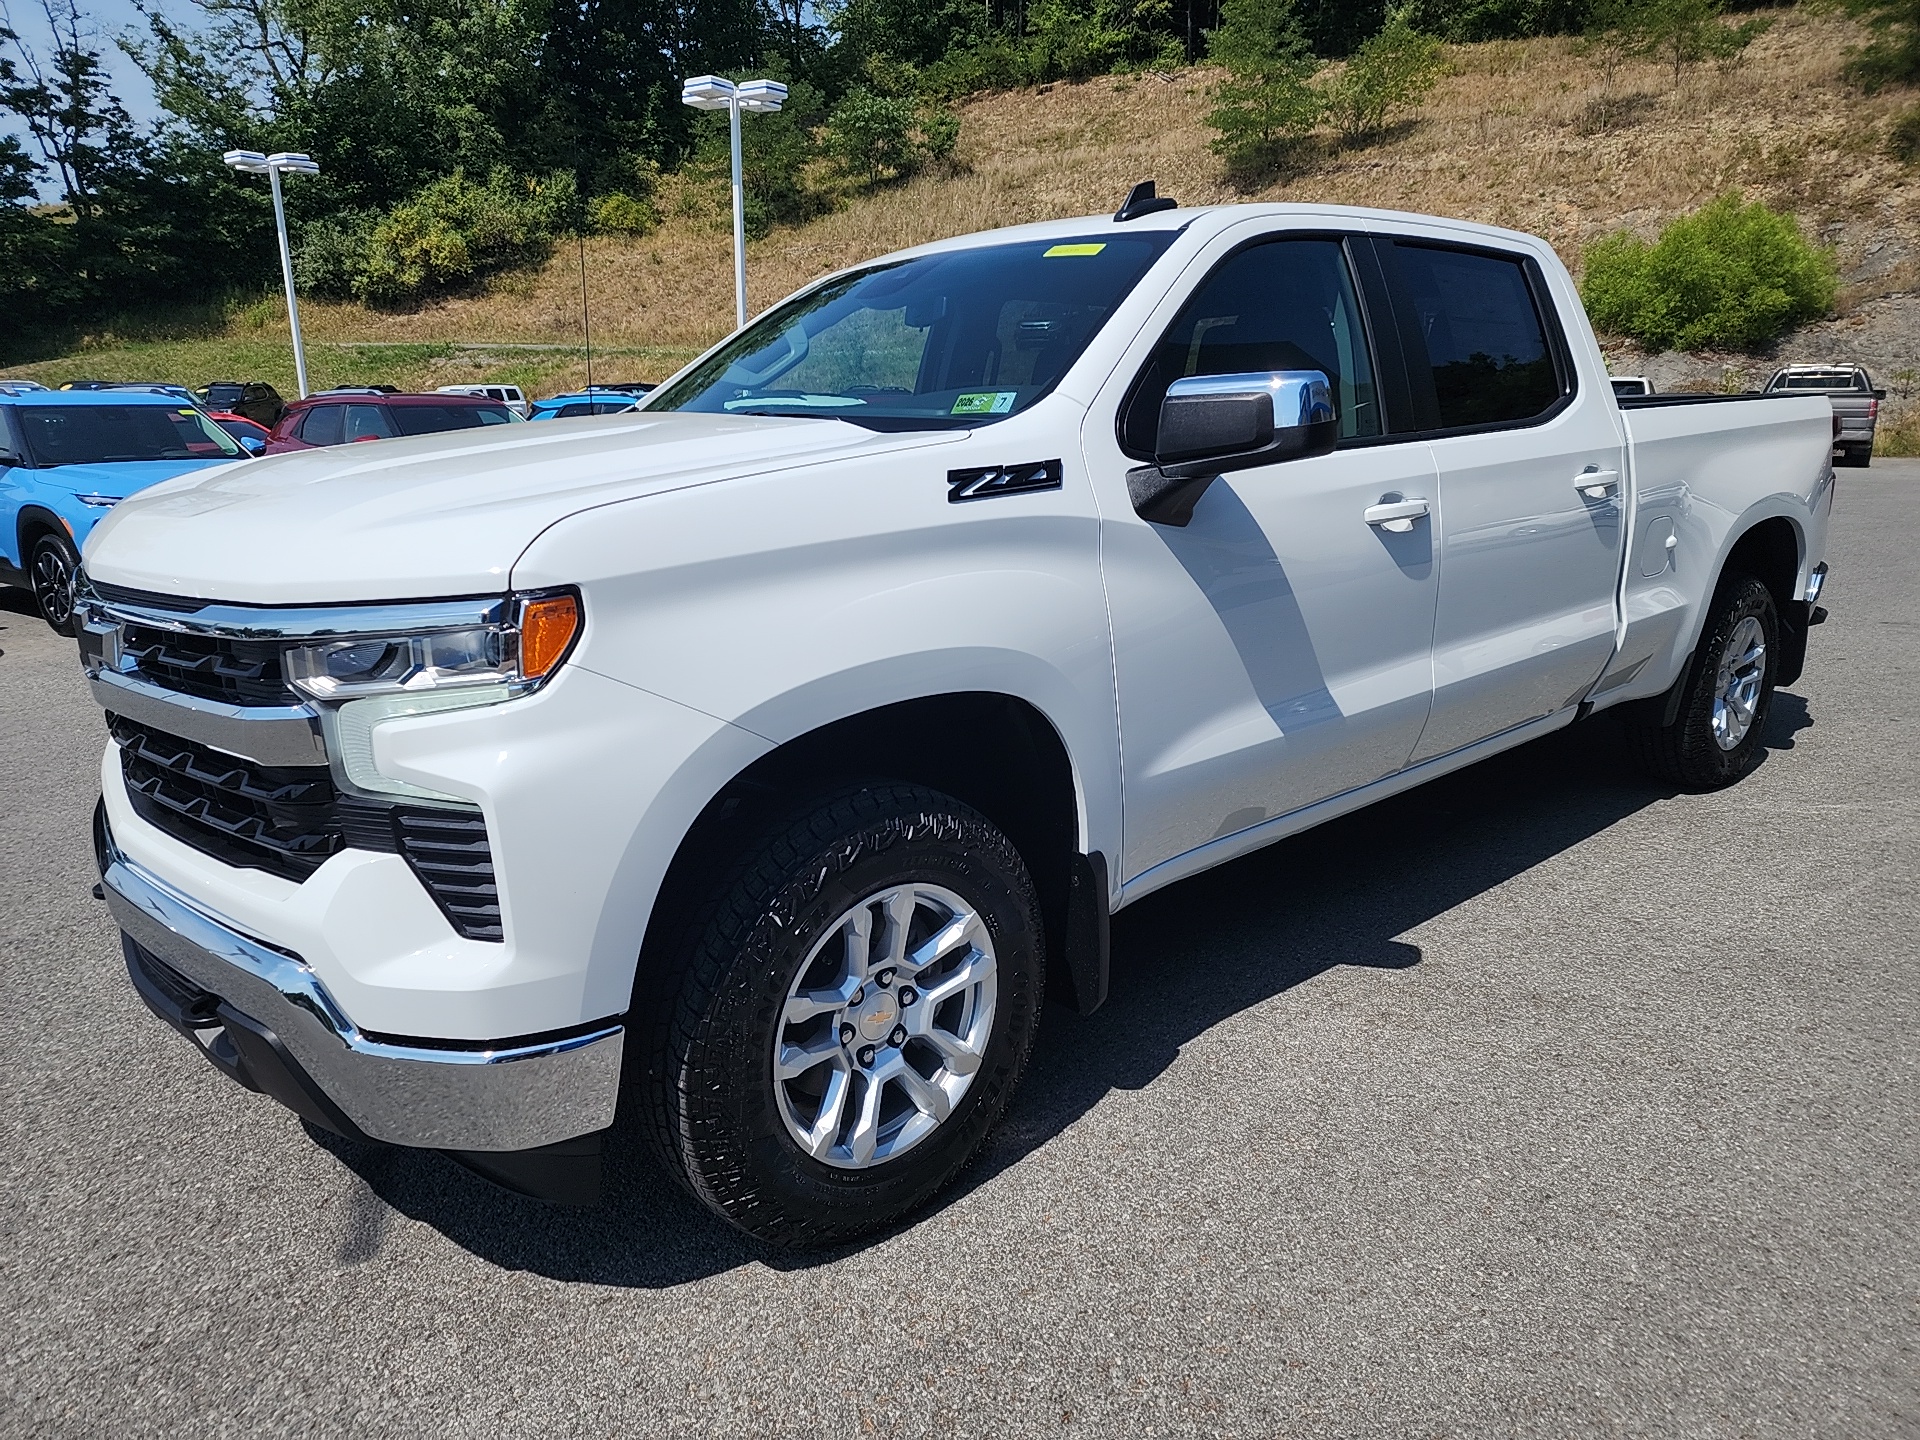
(985, 402)
(1053, 251)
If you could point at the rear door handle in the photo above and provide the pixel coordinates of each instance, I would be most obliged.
(1395, 515)
(1597, 484)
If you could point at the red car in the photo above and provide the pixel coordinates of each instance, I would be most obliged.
(343, 417)
(250, 433)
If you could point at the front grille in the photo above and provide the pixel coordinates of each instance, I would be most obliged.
(448, 850)
(209, 667)
(287, 821)
(277, 820)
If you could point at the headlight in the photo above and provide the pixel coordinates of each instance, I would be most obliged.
(512, 655)
(100, 502)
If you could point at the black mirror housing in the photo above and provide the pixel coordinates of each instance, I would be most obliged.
(1210, 424)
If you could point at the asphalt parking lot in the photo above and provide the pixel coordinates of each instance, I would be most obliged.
(1541, 1102)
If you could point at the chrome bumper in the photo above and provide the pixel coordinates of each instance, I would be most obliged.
(500, 1098)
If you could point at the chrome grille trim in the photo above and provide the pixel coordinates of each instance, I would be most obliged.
(279, 735)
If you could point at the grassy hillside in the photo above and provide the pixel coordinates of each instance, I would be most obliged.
(1521, 133)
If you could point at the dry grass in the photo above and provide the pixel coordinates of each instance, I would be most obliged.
(1521, 133)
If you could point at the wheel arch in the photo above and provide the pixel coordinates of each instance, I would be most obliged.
(995, 751)
(33, 521)
(1773, 550)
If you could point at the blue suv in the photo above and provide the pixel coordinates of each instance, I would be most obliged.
(69, 456)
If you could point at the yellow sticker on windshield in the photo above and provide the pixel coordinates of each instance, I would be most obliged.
(985, 402)
(1091, 249)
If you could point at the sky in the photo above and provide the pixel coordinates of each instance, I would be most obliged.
(108, 18)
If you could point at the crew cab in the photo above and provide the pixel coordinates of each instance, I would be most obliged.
(69, 456)
(762, 759)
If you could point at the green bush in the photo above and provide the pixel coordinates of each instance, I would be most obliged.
(331, 253)
(1730, 276)
(1267, 102)
(875, 137)
(455, 232)
(622, 214)
(1393, 70)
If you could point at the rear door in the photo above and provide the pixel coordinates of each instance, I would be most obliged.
(1531, 486)
(1275, 651)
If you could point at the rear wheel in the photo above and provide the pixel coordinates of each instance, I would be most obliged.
(1859, 456)
(847, 1016)
(52, 568)
(1715, 737)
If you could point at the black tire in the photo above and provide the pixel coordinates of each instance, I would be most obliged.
(50, 569)
(1857, 456)
(1688, 752)
(709, 1093)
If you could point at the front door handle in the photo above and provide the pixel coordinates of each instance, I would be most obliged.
(1597, 484)
(1395, 515)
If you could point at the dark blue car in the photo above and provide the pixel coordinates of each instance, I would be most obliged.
(69, 456)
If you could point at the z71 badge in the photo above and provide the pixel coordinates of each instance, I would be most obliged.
(992, 480)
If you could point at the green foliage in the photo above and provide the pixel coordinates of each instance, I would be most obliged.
(1470, 20)
(1390, 72)
(622, 214)
(1903, 138)
(1729, 276)
(1267, 102)
(1893, 58)
(455, 232)
(872, 137)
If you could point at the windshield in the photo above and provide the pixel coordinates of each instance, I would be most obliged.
(944, 341)
(100, 434)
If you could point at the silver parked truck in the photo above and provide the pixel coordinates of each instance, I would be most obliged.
(763, 763)
(1856, 404)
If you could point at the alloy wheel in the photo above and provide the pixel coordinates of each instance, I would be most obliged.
(1743, 670)
(885, 1025)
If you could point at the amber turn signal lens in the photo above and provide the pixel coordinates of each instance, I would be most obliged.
(547, 628)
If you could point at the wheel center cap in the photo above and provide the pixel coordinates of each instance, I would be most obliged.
(876, 1014)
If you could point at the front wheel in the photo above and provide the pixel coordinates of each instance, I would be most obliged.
(848, 1017)
(52, 569)
(1715, 738)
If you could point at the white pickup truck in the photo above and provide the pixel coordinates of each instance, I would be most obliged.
(759, 759)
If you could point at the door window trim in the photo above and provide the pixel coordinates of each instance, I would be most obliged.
(1369, 335)
(1410, 343)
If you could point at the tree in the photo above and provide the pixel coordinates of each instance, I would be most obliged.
(1267, 102)
(1395, 69)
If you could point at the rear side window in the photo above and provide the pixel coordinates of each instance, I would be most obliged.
(322, 425)
(1477, 350)
(431, 419)
(367, 422)
(1281, 305)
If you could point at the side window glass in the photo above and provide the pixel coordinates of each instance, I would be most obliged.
(367, 422)
(1282, 305)
(1486, 353)
(322, 425)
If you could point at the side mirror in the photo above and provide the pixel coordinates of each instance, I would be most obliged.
(1210, 424)
(1880, 394)
(252, 444)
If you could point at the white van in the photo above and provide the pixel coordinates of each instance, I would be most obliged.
(509, 395)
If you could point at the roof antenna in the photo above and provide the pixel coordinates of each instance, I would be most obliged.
(1141, 200)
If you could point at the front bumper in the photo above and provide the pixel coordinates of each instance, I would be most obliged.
(260, 1013)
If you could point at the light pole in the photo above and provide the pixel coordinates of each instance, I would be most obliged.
(252, 162)
(761, 97)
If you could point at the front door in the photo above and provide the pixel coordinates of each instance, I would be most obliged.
(1532, 482)
(1276, 650)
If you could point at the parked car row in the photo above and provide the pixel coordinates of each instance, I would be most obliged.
(68, 455)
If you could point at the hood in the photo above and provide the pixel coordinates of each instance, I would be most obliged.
(122, 477)
(436, 515)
